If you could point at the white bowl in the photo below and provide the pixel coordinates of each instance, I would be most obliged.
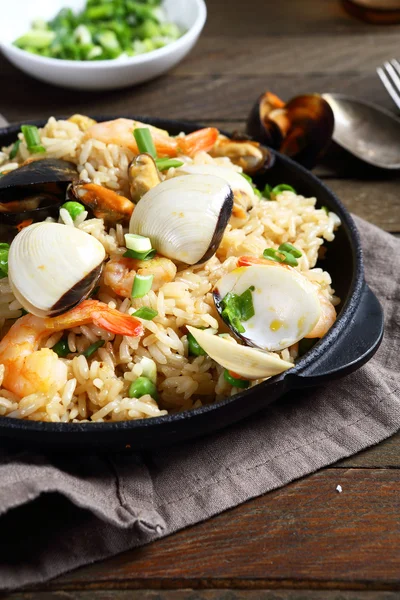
(104, 74)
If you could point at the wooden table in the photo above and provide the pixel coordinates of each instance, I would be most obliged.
(304, 541)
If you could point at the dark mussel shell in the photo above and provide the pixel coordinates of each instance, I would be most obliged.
(301, 129)
(48, 175)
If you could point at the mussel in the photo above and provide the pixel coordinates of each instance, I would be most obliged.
(104, 203)
(185, 217)
(143, 175)
(35, 190)
(284, 304)
(53, 267)
(254, 158)
(302, 128)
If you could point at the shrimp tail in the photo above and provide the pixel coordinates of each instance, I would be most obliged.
(101, 315)
(202, 139)
(247, 261)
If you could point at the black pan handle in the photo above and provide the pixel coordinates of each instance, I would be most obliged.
(354, 348)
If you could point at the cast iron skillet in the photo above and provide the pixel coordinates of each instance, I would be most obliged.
(349, 344)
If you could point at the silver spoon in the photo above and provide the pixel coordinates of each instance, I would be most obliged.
(369, 132)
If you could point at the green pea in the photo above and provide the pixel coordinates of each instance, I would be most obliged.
(142, 386)
(74, 208)
(61, 348)
(194, 347)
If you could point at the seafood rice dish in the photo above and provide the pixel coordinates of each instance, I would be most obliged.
(143, 273)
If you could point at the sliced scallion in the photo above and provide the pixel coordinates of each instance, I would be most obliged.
(167, 163)
(4, 249)
(138, 243)
(32, 139)
(280, 256)
(144, 141)
(145, 312)
(141, 255)
(61, 348)
(14, 149)
(93, 348)
(194, 347)
(247, 177)
(286, 247)
(282, 187)
(238, 309)
(141, 285)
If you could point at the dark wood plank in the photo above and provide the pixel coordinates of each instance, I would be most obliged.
(304, 535)
(202, 595)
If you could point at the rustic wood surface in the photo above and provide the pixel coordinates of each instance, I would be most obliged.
(305, 541)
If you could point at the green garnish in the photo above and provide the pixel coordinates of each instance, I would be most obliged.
(14, 149)
(286, 254)
(141, 285)
(61, 348)
(140, 255)
(4, 249)
(146, 313)
(167, 163)
(306, 344)
(93, 348)
(237, 309)
(257, 192)
(194, 347)
(144, 141)
(32, 139)
(74, 208)
(138, 243)
(104, 29)
(271, 193)
(247, 177)
(141, 387)
(325, 209)
(235, 381)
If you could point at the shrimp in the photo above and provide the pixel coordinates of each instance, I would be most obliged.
(119, 273)
(29, 370)
(120, 132)
(328, 312)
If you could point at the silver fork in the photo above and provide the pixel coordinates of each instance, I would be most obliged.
(389, 74)
(3, 121)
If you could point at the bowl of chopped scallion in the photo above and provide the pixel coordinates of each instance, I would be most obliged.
(99, 44)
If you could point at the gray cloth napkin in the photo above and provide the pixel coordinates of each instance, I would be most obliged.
(60, 512)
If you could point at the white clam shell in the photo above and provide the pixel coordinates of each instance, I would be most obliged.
(236, 181)
(184, 217)
(47, 260)
(249, 363)
(286, 304)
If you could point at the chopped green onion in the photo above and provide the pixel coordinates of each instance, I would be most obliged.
(32, 138)
(247, 177)
(286, 247)
(324, 208)
(280, 256)
(194, 347)
(144, 141)
(61, 348)
(235, 381)
(149, 368)
(74, 208)
(238, 309)
(4, 249)
(283, 187)
(141, 255)
(141, 285)
(93, 348)
(141, 387)
(14, 149)
(306, 344)
(37, 39)
(258, 193)
(145, 313)
(138, 243)
(23, 312)
(266, 193)
(167, 163)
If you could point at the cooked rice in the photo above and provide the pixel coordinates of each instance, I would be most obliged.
(97, 389)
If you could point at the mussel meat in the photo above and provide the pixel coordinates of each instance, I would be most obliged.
(285, 304)
(254, 158)
(302, 128)
(104, 203)
(52, 267)
(185, 217)
(249, 363)
(143, 175)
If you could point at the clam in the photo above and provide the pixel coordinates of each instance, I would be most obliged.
(185, 217)
(282, 305)
(143, 175)
(249, 363)
(35, 190)
(302, 128)
(244, 197)
(52, 267)
(244, 152)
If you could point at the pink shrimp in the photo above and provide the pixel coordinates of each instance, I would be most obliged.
(28, 370)
(119, 273)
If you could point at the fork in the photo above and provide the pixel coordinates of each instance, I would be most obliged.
(389, 74)
(3, 121)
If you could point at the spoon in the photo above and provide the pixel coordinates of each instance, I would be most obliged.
(369, 132)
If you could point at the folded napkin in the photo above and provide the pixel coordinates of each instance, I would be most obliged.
(60, 512)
